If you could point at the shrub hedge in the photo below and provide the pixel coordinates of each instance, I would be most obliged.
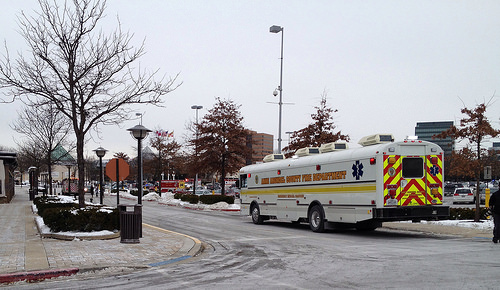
(468, 213)
(211, 199)
(45, 202)
(205, 199)
(67, 217)
(191, 198)
(135, 192)
(81, 220)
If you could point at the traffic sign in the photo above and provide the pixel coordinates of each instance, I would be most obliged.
(123, 169)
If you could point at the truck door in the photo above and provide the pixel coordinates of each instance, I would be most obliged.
(412, 180)
(434, 179)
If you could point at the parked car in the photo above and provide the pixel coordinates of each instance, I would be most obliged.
(463, 194)
(449, 188)
(200, 191)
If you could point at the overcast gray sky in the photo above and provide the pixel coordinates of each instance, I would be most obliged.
(385, 65)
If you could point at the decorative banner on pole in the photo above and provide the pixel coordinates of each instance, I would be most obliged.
(163, 133)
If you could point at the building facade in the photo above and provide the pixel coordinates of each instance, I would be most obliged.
(261, 144)
(7, 165)
(425, 131)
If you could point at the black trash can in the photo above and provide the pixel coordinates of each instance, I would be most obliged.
(130, 223)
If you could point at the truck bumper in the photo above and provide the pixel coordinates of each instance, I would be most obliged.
(411, 213)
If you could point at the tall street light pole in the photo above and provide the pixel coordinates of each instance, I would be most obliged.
(100, 152)
(139, 132)
(196, 107)
(69, 178)
(277, 29)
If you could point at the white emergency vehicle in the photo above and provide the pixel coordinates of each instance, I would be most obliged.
(336, 186)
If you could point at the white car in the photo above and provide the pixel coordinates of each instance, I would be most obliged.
(463, 194)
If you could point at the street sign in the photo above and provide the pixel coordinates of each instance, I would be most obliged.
(487, 172)
(123, 169)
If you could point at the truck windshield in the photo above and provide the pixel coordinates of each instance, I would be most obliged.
(413, 167)
(243, 181)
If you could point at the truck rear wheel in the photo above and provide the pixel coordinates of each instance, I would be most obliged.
(256, 217)
(317, 219)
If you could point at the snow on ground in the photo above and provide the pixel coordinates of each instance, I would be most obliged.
(169, 200)
(482, 225)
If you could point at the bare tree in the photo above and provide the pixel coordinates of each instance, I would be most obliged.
(29, 154)
(47, 129)
(90, 77)
(317, 133)
(474, 127)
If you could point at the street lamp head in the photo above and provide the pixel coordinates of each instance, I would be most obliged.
(275, 93)
(275, 29)
(100, 152)
(195, 107)
(139, 132)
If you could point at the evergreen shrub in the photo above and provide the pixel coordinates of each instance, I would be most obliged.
(211, 199)
(81, 220)
(468, 213)
(67, 217)
(191, 198)
(46, 202)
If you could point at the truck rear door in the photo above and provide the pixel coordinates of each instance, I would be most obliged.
(412, 180)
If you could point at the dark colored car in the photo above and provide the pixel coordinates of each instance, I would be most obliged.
(449, 188)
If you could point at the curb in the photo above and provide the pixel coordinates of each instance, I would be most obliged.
(34, 276)
(191, 250)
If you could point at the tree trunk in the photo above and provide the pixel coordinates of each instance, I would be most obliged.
(478, 176)
(223, 175)
(49, 170)
(81, 169)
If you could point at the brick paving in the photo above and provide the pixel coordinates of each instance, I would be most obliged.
(22, 249)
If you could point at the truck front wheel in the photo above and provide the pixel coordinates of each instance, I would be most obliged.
(317, 219)
(256, 217)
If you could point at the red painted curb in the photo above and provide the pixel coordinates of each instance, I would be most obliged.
(36, 275)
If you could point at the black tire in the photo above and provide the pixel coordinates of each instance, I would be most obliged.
(317, 219)
(256, 216)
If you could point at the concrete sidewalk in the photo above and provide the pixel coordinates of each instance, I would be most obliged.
(24, 255)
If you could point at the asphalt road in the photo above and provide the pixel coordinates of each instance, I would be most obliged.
(241, 255)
